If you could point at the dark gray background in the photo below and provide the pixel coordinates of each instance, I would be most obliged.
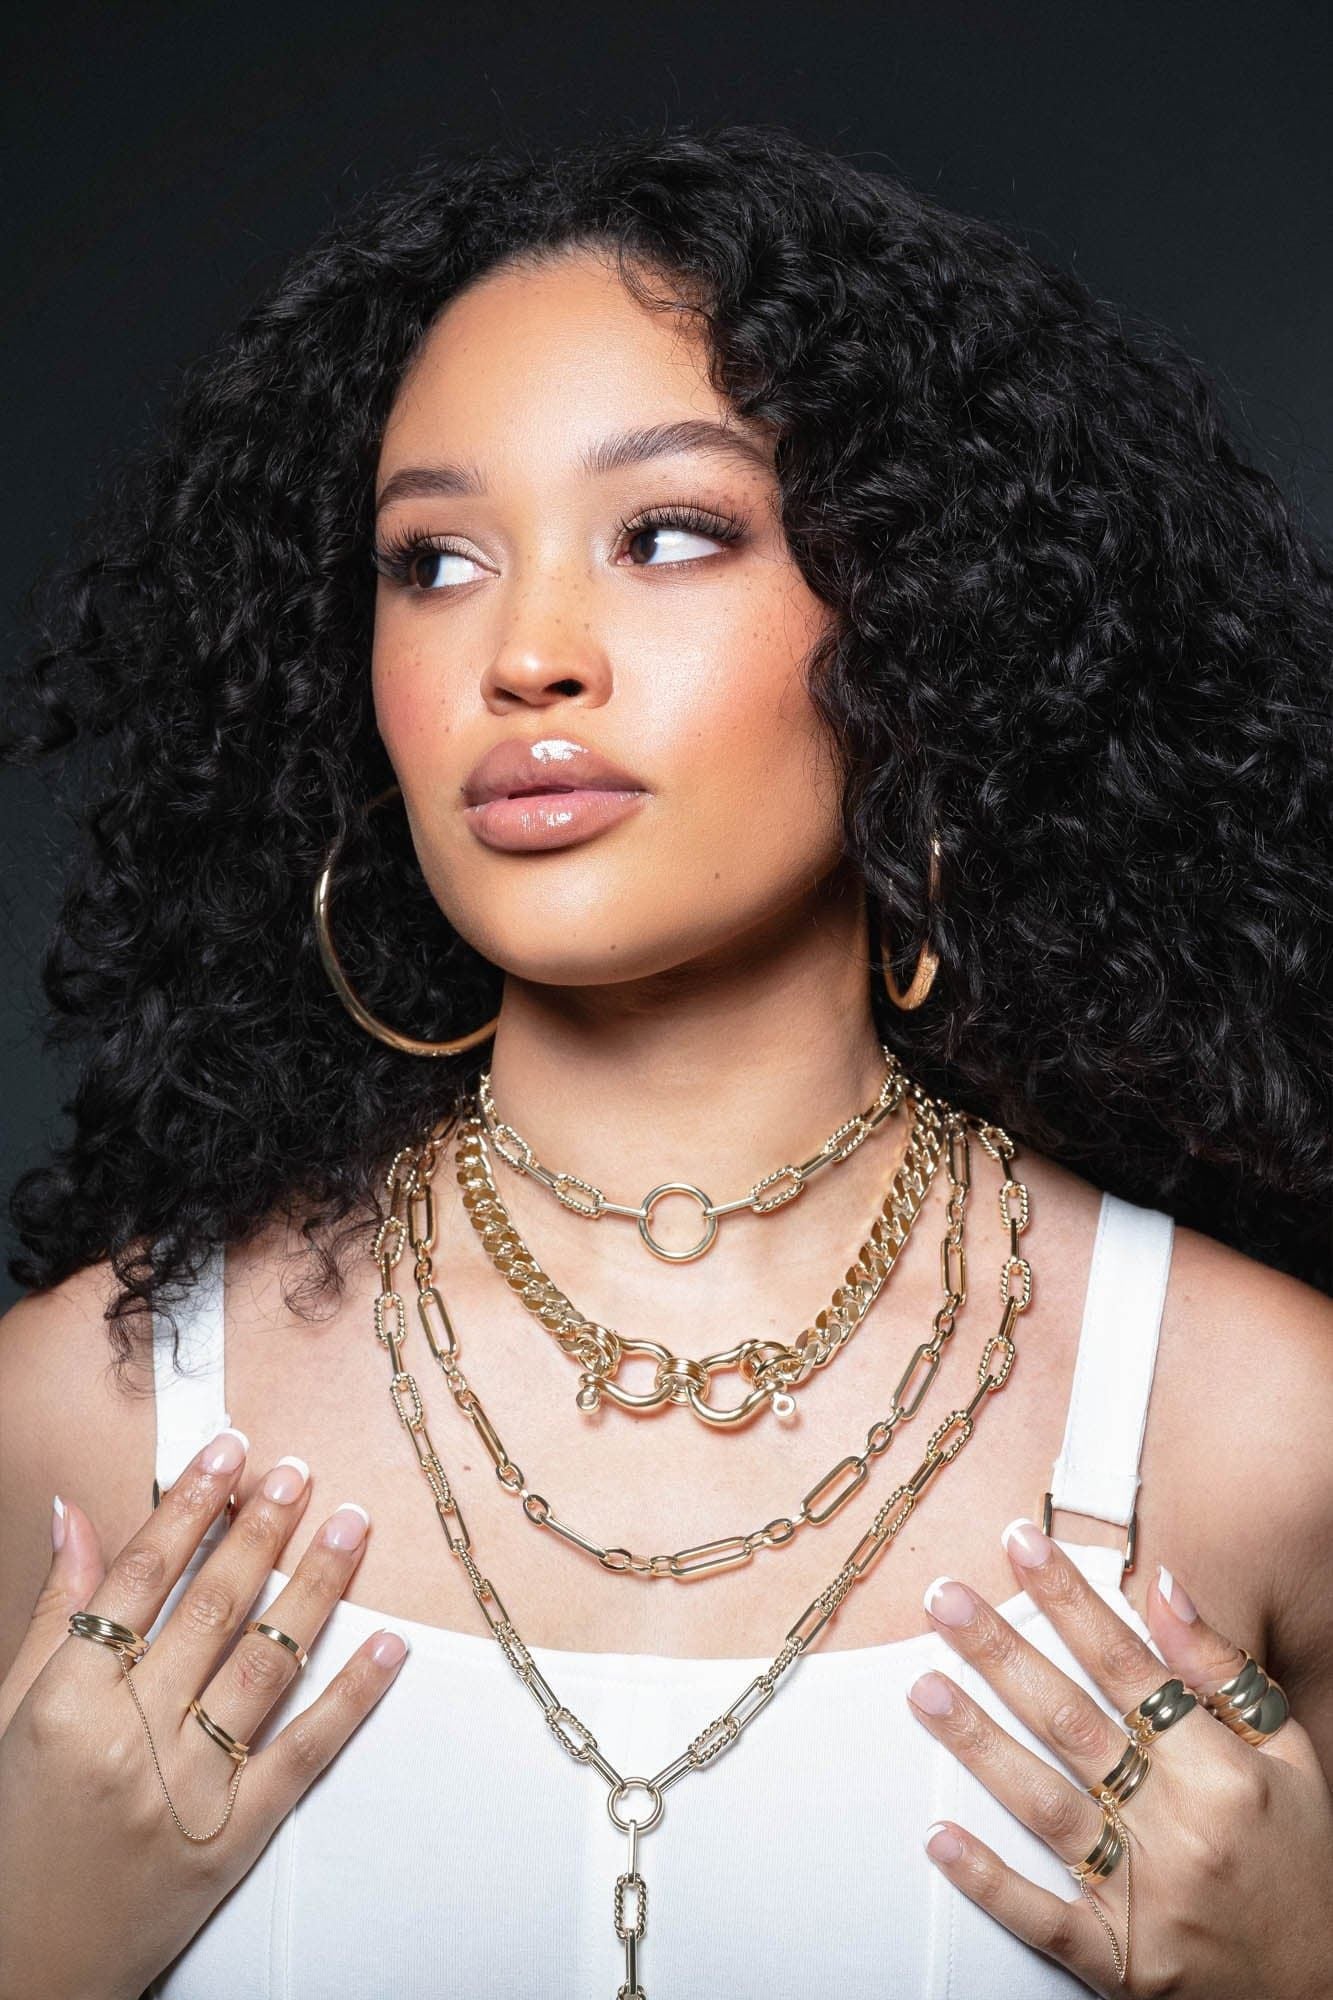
(164, 161)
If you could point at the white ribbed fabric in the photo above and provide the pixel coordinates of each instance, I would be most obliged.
(451, 1848)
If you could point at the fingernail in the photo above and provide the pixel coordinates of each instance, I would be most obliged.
(1026, 1543)
(1177, 1597)
(952, 1603)
(286, 1480)
(57, 1523)
(346, 1528)
(942, 1843)
(227, 1451)
(931, 1693)
(388, 1650)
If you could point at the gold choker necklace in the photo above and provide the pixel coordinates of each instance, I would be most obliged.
(774, 1191)
(774, 1368)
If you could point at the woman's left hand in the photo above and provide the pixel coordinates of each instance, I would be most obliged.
(1231, 1843)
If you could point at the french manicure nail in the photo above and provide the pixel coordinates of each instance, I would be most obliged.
(1177, 1597)
(942, 1843)
(1026, 1543)
(931, 1693)
(346, 1527)
(227, 1451)
(952, 1603)
(286, 1479)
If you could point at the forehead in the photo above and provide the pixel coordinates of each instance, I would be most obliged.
(533, 355)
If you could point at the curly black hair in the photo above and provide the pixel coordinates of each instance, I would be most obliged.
(1080, 642)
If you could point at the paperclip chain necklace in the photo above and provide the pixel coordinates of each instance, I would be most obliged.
(774, 1367)
(408, 1183)
(774, 1191)
(825, 1498)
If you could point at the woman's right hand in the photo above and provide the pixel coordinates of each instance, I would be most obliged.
(101, 1890)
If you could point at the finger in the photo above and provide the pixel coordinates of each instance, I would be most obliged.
(217, 1599)
(1205, 1659)
(278, 1774)
(139, 1580)
(1065, 1931)
(1056, 1709)
(75, 1572)
(259, 1669)
(1122, 1665)
(1067, 1819)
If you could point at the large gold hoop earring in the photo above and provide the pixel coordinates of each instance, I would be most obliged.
(342, 986)
(928, 963)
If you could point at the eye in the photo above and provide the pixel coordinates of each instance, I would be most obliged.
(669, 526)
(402, 557)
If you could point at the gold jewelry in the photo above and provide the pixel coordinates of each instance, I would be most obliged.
(1158, 1710)
(108, 1632)
(1250, 1703)
(231, 1744)
(928, 963)
(130, 1647)
(774, 1191)
(408, 1183)
(361, 1014)
(1121, 1784)
(1104, 1857)
(293, 1646)
(775, 1368)
(826, 1498)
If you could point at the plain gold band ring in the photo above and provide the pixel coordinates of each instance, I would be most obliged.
(283, 1638)
(108, 1632)
(1104, 1856)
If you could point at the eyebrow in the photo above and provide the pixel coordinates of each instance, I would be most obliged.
(610, 454)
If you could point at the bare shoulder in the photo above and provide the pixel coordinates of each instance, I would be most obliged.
(72, 1426)
(1237, 1449)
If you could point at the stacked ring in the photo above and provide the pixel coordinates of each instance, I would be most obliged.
(108, 1632)
(1250, 1703)
(1122, 1783)
(1105, 1855)
(1158, 1710)
(234, 1748)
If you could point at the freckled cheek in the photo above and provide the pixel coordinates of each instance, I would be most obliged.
(411, 710)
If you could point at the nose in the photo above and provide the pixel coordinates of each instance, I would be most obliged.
(547, 660)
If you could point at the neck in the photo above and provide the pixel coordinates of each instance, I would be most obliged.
(714, 1072)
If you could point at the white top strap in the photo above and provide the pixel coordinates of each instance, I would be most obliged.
(1097, 1472)
(190, 1405)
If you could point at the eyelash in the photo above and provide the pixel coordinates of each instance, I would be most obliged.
(395, 557)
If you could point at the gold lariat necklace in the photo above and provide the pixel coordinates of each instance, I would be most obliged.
(411, 1220)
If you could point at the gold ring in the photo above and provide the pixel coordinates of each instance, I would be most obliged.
(283, 1638)
(108, 1632)
(236, 1750)
(1158, 1710)
(1104, 1857)
(1122, 1783)
(1250, 1703)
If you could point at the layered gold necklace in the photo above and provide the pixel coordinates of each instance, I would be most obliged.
(410, 1221)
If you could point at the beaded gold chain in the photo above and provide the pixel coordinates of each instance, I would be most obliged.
(775, 1368)
(408, 1184)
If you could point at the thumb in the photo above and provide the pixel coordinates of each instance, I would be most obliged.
(75, 1571)
(1202, 1657)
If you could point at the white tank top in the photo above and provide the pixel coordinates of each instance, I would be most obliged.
(452, 1848)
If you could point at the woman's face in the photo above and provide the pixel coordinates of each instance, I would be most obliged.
(638, 678)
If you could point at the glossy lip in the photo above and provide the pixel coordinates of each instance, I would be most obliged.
(553, 792)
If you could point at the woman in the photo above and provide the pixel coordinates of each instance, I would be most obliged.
(683, 667)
